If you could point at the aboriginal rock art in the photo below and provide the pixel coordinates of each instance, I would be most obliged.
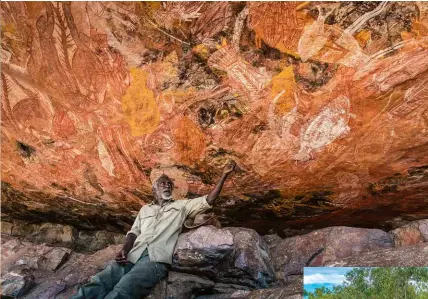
(315, 101)
(227, 59)
(330, 124)
(333, 44)
(279, 24)
(415, 97)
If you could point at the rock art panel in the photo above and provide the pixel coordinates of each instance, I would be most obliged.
(317, 103)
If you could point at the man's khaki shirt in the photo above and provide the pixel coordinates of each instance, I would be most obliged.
(157, 228)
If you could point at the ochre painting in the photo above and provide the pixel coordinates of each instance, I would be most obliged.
(323, 106)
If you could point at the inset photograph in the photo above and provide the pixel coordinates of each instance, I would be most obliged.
(365, 282)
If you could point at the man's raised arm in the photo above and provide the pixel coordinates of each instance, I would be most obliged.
(212, 196)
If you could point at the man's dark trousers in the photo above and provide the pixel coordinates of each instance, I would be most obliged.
(126, 281)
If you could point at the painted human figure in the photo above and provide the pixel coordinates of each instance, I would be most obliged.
(145, 258)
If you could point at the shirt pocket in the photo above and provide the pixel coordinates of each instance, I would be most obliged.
(146, 218)
(172, 213)
(147, 214)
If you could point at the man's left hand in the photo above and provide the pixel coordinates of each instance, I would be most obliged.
(121, 257)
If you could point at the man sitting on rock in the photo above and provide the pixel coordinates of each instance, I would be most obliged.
(147, 253)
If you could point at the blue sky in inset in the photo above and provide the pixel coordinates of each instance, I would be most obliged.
(312, 287)
(317, 277)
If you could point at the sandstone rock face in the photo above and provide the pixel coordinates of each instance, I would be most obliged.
(46, 232)
(98, 98)
(237, 264)
(423, 228)
(56, 270)
(6, 227)
(191, 283)
(17, 283)
(93, 241)
(290, 291)
(413, 233)
(62, 235)
(77, 270)
(183, 286)
(405, 256)
(235, 255)
(54, 259)
(320, 247)
(272, 240)
(203, 245)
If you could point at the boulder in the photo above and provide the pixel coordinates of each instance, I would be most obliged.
(292, 290)
(272, 240)
(76, 271)
(20, 252)
(423, 228)
(404, 256)
(228, 255)
(54, 258)
(203, 248)
(50, 292)
(415, 232)
(62, 235)
(186, 286)
(181, 285)
(229, 288)
(6, 227)
(30, 261)
(10, 248)
(235, 295)
(252, 258)
(97, 240)
(159, 291)
(275, 293)
(22, 229)
(33, 256)
(50, 233)
(17, 283)
(317, 248)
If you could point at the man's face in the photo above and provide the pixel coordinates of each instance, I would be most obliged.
(164, 189)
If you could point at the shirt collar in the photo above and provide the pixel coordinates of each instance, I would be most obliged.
(164, 203)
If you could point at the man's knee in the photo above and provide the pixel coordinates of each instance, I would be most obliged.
(161, 270)
(108, 277)
(122, 291)
(127, 289)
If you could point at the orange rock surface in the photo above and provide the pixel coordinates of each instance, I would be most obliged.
(325, 113)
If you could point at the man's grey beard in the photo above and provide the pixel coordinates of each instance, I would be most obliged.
(166, 197)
